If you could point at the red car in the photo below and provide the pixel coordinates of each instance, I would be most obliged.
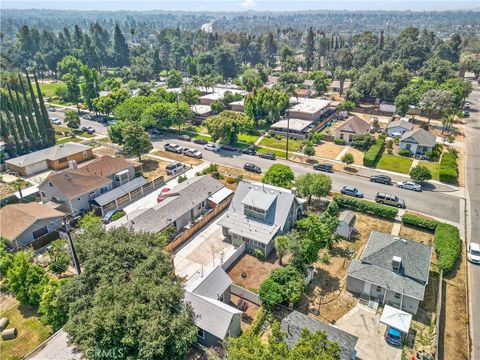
(161, 195)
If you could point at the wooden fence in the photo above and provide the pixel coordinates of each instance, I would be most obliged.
(186, 234)
(245, 294)
(438, 316)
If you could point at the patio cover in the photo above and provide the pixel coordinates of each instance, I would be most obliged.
(396, 318)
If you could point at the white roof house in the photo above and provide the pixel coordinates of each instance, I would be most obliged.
(396, 318)
(295, 125)
(218, 94)
(309, 109)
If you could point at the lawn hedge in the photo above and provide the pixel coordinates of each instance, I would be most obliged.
(372, 154)
(448, 168)
(366, 206)
(447, 246)
(412, 219)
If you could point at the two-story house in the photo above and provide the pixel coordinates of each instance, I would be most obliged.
(392, 270)
(258, 213)
(75, 188)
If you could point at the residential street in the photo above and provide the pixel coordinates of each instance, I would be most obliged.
(438, 204)
(473, 218)
(59, 114)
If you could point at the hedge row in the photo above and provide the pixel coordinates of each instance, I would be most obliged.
(366, 206)
(447, 246)
(419, 221)
(447, 172)
(373, 153)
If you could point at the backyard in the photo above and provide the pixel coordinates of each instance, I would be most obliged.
(256, 270)
(153, 168)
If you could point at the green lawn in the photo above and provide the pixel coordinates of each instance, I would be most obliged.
(68, 139)
(61, 128)
(83, 134)
(247, 138)
(49, 89)
(201, 136)
(396, 163)
(293, 144)
(31, 332)
(432, 166)
(279, 153)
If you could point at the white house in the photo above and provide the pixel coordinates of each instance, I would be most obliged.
(398, 127)
(418, 141)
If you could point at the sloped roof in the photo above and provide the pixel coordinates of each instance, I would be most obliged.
(120, 191)
(375, 266)
(52, 153)
(354, 125)
(396, 318)
(419, 136)
(294, 323)
(292, 124)
(347, 217)
(16, 218)
(105, 166)
(400, 123)
(213, 285)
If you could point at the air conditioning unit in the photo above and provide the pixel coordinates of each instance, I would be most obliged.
(121, 177)
(72, 164)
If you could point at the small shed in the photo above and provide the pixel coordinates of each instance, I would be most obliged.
(9, 334)
(346, 224)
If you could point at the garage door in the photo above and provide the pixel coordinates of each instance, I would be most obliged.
(35, 168)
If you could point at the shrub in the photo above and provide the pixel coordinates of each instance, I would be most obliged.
(371, 156)
(209, 169)
(448, 168)
(420, 221)
(181, 178)
(420, 174)
(308, 149)
(316, 137)
(366, 206)
(363, 142)
(118, 215)
(389, 144)
(447, 246)
(325, 259)
(230, 180)
(405, 152)
(348, 159)
(259, 254)
(340, 142)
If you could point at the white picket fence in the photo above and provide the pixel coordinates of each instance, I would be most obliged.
(238, 252)
(245, 294)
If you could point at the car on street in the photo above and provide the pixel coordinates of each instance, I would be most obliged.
(174, 168)
(252, 168)
(212, 147)
(249, 151)
(467, 105)
(154, 132)
(351, 191)
(323, 167)
(473, 253)
(56, 121)
(267, 155)
(390, 199)
(87, 129)
(173, 148)
(87, 117)
(161, 195)
(200, 141)
(108, 217)
(229, 147)
(193, 153)
(382, 179)
(51, 108)
(184, 138)
(466, 113)
(409, 185)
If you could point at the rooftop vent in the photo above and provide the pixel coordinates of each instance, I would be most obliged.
(67, 177)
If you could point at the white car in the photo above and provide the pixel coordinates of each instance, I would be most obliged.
(396, 134)
(192, 153)
(473, 253)
(409, 185)
(51, 108)
(173, 148)
(212, 147)
(56, 121)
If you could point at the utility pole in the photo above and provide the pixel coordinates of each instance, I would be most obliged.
(288, 133)
(66, 225)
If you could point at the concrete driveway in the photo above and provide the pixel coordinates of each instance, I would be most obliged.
(364, 323)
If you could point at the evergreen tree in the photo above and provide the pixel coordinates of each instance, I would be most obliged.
(120, 48)
(309, 49)
(43, 110)
(35, 139)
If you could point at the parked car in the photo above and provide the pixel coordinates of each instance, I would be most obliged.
(192, 153)
(323, 167)
(393, 336)
(154, 132)
(161, 195)
(351, 191)
(212, 147)
(252, 168)
(87, 117)
(109, 215)
(87, 129)
(51, 108)
(111, 122)
(473, 253)
(174, 168)
(56, 121)
(467, 105)
(229, 147)
(184, 138)
(396, 134)
(389, 199)
(173, 148)
(409, 185)
(249, 151)
(382, 179)
(200, 141)
(466, 113)
(267, 155)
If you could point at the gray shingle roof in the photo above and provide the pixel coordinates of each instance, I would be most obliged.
(354, 125)
(52, 153)
(295, 322)
(213, 285)
(347, 217)
(375, 266)
(180, 200)
(419, 136)
(400, 123)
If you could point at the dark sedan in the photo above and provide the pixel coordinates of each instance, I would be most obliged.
(382, 179)
(351, 191)
(252, 168)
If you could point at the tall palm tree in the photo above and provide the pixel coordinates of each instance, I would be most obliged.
(132, 31)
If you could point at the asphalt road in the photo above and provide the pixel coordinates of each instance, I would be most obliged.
(99, 127)
(438, 204)
(473, 221)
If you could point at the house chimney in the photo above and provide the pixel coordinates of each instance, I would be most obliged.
(294, 191)
(396, 263)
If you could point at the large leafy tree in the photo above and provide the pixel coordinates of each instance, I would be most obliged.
(136, 140)
(285, 284)
(437, 103)
(52, 310)
(282, 246)
(227, 125)
(127, 297)
(420, 174)
(313, 185)
(279, 175)
(266, 104)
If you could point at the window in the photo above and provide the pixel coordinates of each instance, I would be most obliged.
(62, 160)
(43, 195)
(92, 195)
(201, 333)
(50, 184)
(103, 189)
(36, 234)
(85, 154)
(379, 288)
(397, 296)
(341, 136)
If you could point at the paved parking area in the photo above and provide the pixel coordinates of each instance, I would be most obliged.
(364, 323)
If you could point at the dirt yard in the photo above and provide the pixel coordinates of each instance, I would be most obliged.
(177, 157)
(461, 166)
(256, 270)
(416, 234)
(248, 314)
(383, 120)
(235, 172)
(357, 156)
(327, 290)
(328, 150)
(153, 168)
(104, 150)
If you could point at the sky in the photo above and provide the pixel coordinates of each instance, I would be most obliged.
(241, 5)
